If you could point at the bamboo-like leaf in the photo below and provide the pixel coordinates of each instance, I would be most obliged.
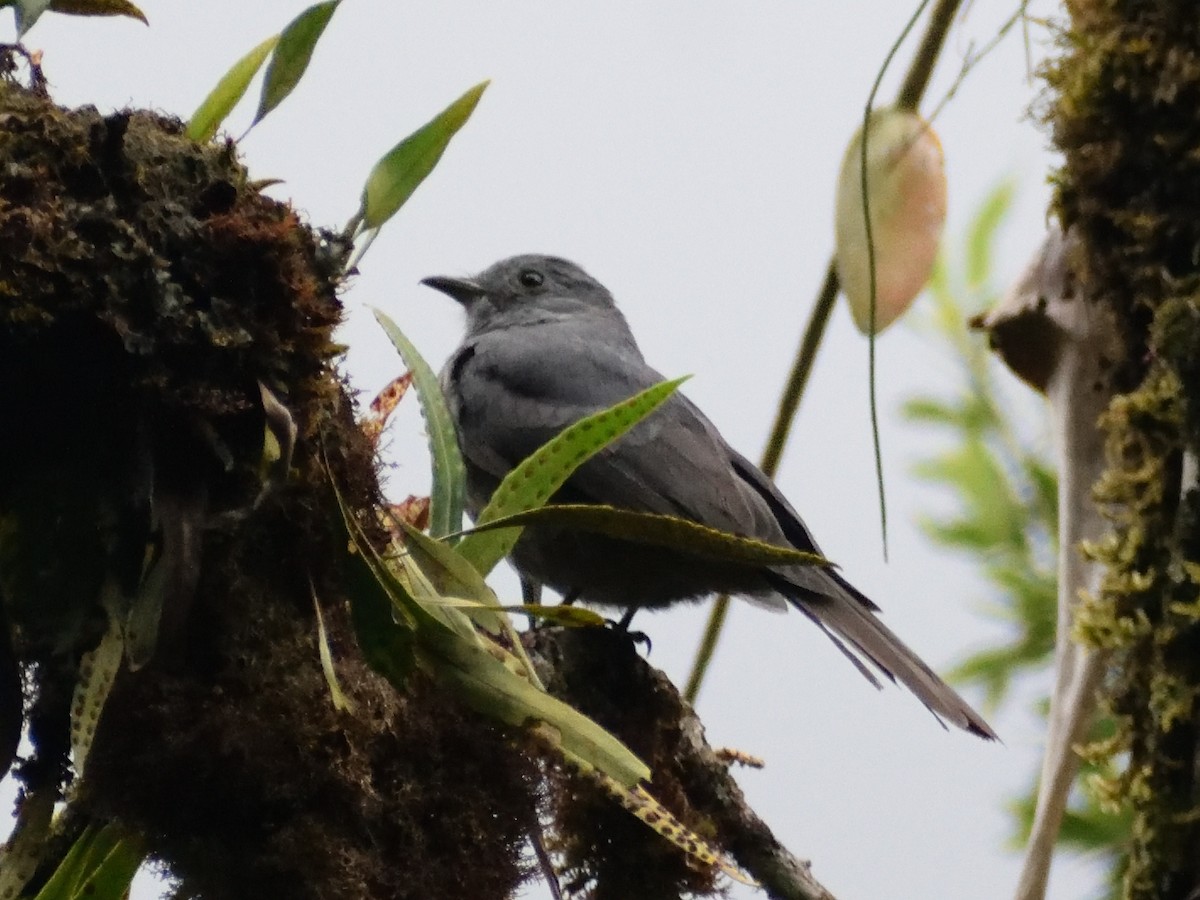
(417, 593)
(99, 866)
(292, 55)
(484, 683)
(535, 480)
(388, 647)
(88, 8)
(558, 613)
(449, 476)
(480, 673)
(643, 805)
(341, 702)
(97, 672)
(453, 575)
(20, 857)
(229, 90)
(561, 614)
(27, 13)
(403, 168)
(659, 530)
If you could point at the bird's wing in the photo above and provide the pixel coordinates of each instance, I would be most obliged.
(510, 399)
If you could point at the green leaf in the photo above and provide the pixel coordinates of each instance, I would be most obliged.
(229, 90)
(658, 530)
(487, 685)
(478, 671)
(341, 702)
(98, 671)
(450, 575)
(399, 173)
(993, 514)
(449, 475)
(535, 480)
(292, 55)
(1044, 482)
(389, 647)
(930, 411)
(426, 602)
(98, 8)
(27, 13)
(561, 614)
(99, 866)
(22, 854)
(982, 232)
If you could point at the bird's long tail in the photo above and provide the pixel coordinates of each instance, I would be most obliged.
(847, 617)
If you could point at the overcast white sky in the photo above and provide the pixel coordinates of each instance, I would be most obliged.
(685, 154)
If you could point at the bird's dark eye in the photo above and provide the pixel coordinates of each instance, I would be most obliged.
(530, 278)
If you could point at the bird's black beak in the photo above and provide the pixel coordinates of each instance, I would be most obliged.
(461, 289)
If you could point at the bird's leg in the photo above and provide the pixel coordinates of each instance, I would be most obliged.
(531, 592)
(623, 624)
(571, 596)
(531, 595)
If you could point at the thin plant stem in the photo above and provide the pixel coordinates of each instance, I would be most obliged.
(916, 80)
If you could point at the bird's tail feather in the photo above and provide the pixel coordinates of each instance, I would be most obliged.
(858, 633)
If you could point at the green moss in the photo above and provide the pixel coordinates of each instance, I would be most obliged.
(1127, 89)
(148, 290)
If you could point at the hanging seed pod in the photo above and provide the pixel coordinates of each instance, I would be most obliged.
(907, 184)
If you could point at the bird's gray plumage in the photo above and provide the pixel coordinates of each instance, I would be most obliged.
(546, 346)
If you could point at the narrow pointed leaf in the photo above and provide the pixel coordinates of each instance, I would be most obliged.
(644, 806)
(98, 671)
(449, 476)
(403, 585)
(386, 645)
(99, 866)
(27, 13)
(21, 855)
(453, 575)
(659, 530)
(485, 684)
(292, 55)
(229, 90)
(479, 672)
(535, 480)
(426, 600)
(557, 614)
(561, 614)
(341, 702)
(406, 165)
(98, 8)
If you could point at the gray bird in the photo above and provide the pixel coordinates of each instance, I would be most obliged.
(546, 346)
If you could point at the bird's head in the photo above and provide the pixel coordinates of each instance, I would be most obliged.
(526, 290)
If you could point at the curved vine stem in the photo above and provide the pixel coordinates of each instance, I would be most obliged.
(916, 80)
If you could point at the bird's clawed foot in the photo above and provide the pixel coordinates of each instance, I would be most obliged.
(622, 626)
